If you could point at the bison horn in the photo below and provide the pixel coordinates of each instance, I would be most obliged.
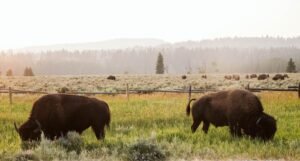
(16, 128)
(258, 120)
(39, 128)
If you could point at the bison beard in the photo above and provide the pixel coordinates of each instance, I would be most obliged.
(239, 109)
(57, 114)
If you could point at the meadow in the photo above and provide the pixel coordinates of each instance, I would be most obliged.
(158, 122)
(94, 83)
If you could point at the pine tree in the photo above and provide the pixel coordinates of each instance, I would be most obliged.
(28, 72)
(291, 68)
(160, 64)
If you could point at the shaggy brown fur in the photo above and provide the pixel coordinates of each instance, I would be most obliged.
(236, 77)
(111, 77)
(263, 76)
(228, 77)
(238, 109)
(57, 114)
(253, 76)
(280, 77)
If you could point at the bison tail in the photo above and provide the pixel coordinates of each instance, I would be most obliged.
(188, 107)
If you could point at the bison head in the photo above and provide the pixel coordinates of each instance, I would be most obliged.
(266, 127)
(29, 131)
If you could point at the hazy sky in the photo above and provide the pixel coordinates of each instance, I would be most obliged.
(41, 22)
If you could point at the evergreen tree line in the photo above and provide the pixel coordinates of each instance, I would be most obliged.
(176, 59)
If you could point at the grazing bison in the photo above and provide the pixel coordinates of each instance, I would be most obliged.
(253, 76)
(111, 77)
(236, 77)
(278, 77)
(228, 77)
(183, 77)
(263, 76)
(238, 109)
(204, 76)
(57, 114)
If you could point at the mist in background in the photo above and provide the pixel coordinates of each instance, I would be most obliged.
(125, 37)
(226, 55)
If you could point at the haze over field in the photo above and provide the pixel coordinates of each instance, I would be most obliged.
(116, 37)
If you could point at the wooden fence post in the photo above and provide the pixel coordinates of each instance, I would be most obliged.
(127, 92)
(10, 95)
(190, 93)
(248, 86)
(299, 90)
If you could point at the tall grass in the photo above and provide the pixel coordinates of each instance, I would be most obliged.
(160, 119)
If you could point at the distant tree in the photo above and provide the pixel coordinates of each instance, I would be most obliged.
(9, 72)
(291, 67)
(28, 72)
(160, 64)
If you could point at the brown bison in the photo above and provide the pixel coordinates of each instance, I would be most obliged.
(241, 110)
(263, 76)
(183, 77)
(228, 77)
(57, 114)
(253, 76)
(280, 76)
(236, 77)
(204, 76)
(111, 77)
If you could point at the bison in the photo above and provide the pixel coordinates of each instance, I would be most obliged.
(228, 77)
(253, 76)
(111, 77)
(204, 76)
(183, 77)
(57, 114)
(263, 76)
(236, 77)
(241, 110)
(280, 77)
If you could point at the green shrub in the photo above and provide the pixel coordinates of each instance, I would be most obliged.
(72, 142)
(145, 151)
(26, 156)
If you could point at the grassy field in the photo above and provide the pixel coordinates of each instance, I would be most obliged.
(159, 120)
(95, 83)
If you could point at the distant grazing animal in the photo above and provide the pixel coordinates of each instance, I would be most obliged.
(183, 77)
(57, 114)
(235, 77)
(204, 76)
(253, 76)
(278, 77)
(263, 76)
(228, 77)
(111, 77)
(239, 109)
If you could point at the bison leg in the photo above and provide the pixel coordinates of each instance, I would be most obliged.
(235, 130)
(205, 127)
(195, 125)
(99, 131)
